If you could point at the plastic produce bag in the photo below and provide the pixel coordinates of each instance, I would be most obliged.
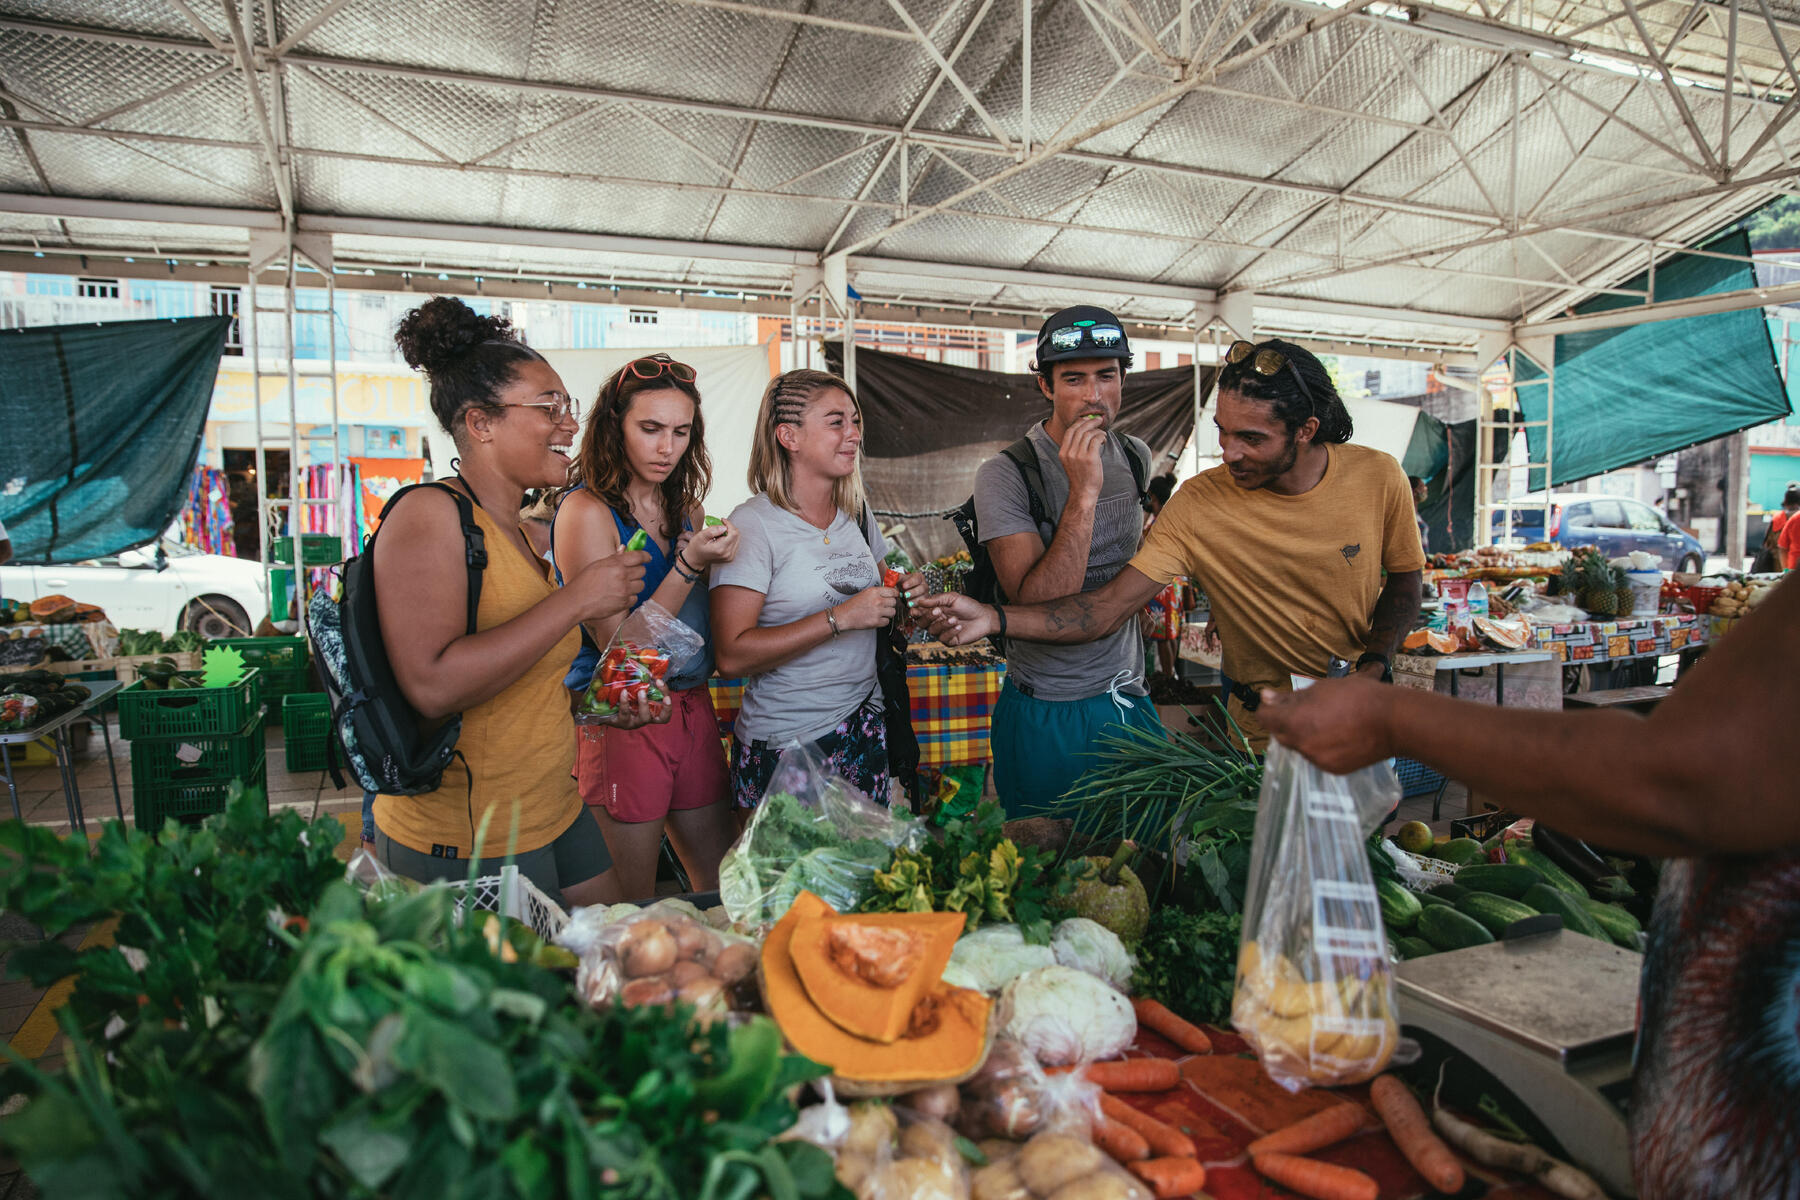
(1315, 996)
(17, 711)
(812, 832)
(636, 664)
(661, 955)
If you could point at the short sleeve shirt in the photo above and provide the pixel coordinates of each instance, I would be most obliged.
(802, 570)
(1293, 580)
(1790, 543)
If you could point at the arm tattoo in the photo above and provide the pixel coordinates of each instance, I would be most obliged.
(1071, 615)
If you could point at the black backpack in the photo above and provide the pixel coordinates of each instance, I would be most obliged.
(388, 746)
(980, 582)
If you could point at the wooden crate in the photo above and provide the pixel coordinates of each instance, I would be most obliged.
(123, 669)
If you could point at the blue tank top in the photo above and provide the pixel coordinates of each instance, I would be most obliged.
(694, 613)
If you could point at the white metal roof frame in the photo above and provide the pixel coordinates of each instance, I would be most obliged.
(1427, 180)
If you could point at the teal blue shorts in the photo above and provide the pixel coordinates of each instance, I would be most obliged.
(1041, 747)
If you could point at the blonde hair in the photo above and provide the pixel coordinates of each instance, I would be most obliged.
(785, 403)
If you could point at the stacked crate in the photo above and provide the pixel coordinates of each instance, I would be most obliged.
(306, 731)
(188, 745)
(283, 662)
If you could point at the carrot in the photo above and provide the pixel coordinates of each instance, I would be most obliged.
(1187, 1035)
(1316, 1132)
(1171, 1176)
(1135, 1075)
(1322, 1181)
(1406, 1123)
(1121, 1141)
(1163, 1139)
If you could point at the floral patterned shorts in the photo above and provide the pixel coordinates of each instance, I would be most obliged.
(856, 749)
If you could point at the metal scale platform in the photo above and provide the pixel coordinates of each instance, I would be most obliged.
(1552, 1017)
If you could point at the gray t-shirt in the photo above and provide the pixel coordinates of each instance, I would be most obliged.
(800, 572)
(1002, 507)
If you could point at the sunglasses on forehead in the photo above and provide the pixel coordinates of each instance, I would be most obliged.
(1269, 362)
(658, 365)
(1069, 337)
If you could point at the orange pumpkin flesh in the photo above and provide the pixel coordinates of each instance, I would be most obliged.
(951, 1045)
(851, 1000)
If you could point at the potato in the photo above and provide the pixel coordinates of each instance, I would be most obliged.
(929, 1138)
(998, 1149)
(872, 1129)
(912, 1179)
(852, 1169)
(693, 941)
(652, 989)
(941, 1102)
(686, 970)
(998, 1181)
(1050, 1160)
(646, 948)
(734, 961)
(1106, 1184)
(704, 992)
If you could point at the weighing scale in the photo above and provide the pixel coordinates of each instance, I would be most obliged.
(1552, 1017)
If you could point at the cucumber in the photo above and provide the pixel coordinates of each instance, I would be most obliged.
(1437, 897)
(1494, 912)
(1502, 879)
(1619, 925)
(1448, 929)
(1412, 947)
(1450, 892)
(1522, 855)
(1574, 914)
(1399, 907)
(1461, 851)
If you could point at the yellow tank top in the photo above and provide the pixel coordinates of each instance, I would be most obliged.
(519, 746)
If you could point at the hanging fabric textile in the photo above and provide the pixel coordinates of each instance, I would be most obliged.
(206, 520)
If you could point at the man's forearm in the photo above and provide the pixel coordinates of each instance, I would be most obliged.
(1063, 568)
(1085, 616)
(1396, 611)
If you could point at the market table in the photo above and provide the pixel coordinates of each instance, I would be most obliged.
(951, 708)
(1226, 1101)
(1511, 679)
(1608, 643)
(56, 731)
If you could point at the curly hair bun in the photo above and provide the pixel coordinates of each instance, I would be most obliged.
(434, 335)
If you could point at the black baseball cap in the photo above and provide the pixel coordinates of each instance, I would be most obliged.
(1084, 331)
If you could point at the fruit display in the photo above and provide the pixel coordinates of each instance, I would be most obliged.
(1741, 597)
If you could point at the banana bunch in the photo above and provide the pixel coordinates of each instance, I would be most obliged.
(1324, 1032)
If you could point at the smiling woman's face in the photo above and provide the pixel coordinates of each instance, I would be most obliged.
(828, 437)
(530, 445)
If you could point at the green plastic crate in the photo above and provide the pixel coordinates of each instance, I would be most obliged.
(268, 653)
(306, 729)
(316, 549)
(198, 760)
(154, 801)
(189, 712)
(279, 684)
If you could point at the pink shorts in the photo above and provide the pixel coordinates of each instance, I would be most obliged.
(639, 775)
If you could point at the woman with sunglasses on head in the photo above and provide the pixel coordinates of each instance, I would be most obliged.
(513, 424)
(796, 612)
(643, 467)
(1305, 544)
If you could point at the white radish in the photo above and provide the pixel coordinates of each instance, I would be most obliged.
(1569, 1182)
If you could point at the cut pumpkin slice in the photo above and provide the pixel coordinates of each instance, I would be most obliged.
(868, 971)
(948, 1044)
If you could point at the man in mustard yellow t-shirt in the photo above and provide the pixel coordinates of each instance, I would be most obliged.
(1305, 545)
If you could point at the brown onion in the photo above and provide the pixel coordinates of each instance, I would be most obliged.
(647, 948)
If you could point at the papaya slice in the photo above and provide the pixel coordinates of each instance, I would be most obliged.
(1416, 640)
(867, 971)
(1443, 643)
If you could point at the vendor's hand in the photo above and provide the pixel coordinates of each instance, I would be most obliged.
(714, 544)
(1209, 638)
(1080, 455)
(871, 608)
(608, 586)
(1340, 724)
(956, 619)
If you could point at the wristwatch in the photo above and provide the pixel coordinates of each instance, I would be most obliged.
(1387, 670)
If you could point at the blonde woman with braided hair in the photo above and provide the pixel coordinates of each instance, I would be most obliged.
(796, 611)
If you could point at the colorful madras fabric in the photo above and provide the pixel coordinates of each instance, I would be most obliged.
(727, 698)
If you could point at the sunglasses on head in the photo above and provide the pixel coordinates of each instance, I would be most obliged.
(658, 365)
(1104, 337)
(1269, 362)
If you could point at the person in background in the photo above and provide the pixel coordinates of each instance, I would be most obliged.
(535, 518)
(643, 466)
(1161, 622)
(796, 612)
(513, 424)
(1301, 542)
(1419, 487)
(1787, 535)
(1705, 781)
(6, 549)
(1058, 699)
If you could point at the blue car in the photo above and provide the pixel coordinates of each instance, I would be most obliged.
(1613, 523)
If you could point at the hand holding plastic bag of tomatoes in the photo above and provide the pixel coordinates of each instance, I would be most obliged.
(635, 668)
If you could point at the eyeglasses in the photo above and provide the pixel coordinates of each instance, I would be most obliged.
(1268, 362)
(658, 365)
(563, 406)
(1105, 337)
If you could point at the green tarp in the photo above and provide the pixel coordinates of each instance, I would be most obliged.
(1631, 394)
(102, 424)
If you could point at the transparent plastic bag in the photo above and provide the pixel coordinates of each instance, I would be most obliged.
(1315, 996)
(923, 1163)
(17, 711)
(812, 832)
(662, 956)
(637, 663)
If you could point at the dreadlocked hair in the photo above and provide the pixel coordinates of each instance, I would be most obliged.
(601, 463)
(785, 402)
(1284, 393)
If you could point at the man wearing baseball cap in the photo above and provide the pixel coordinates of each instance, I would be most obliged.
(1059, 513)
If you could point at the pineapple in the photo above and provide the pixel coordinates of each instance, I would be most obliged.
(1599, 595)
(1622, 597)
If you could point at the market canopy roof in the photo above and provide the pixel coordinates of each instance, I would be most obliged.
(1408, 176)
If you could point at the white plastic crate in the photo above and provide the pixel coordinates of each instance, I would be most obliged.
(513, 895)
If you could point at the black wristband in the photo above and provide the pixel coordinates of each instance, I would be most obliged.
(1001, 613)
(1387, 668)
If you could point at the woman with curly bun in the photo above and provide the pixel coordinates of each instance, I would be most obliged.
(513, 424)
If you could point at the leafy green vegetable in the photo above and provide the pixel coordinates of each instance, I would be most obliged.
(1189, 962)
(791, 847)
(974, 869)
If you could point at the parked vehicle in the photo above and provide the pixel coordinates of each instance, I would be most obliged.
(1615, 524)
(165, 586)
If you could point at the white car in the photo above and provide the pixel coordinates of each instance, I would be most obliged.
(165, 587)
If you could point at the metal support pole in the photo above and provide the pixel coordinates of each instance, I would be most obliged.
(793, 331)
(1199, 400)
(1025, 82)
(850, 343)
(823, 329)
(296, 473)
(249, 324)
(1737, 495)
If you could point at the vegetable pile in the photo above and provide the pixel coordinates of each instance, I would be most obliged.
(791, 847)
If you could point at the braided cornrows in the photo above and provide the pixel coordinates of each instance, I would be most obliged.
(785, 402)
